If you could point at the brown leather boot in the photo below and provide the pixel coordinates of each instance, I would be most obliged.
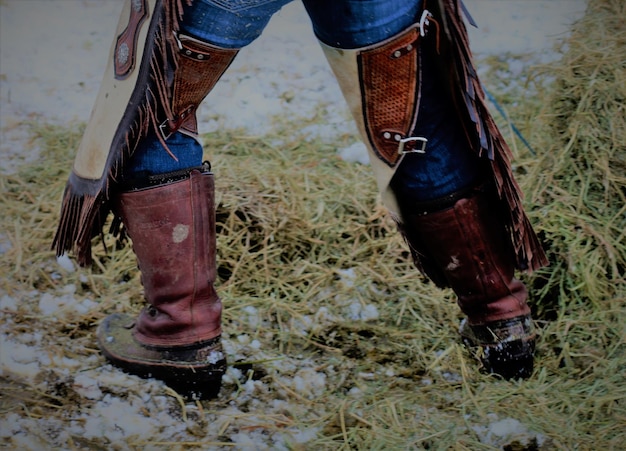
(469, 247)
(177, 337)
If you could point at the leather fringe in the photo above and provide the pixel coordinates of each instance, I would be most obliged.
(86, 203)
(484, 135)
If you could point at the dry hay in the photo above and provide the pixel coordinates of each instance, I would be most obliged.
(580, 179)
(303, 245)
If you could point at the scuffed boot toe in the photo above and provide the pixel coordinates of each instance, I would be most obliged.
(194, 371)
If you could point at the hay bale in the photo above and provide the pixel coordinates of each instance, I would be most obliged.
(578, 184)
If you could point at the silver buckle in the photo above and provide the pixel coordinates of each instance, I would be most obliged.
(163, 127)
(403, 141)
(424, 22)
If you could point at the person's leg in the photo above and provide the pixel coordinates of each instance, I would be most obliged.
(441, 192)
(165, 200)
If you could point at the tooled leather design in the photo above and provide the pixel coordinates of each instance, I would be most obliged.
(389, 77)
(200, 66)
(126, 44)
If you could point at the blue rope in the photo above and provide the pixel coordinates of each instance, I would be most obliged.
(515, 129)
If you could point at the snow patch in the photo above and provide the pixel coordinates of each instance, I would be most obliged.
(500, 432)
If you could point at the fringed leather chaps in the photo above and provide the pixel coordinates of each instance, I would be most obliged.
(381, 84)
(155, 80)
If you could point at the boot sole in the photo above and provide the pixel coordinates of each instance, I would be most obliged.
(195, 371)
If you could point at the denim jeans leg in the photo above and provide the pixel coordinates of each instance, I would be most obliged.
(351, 24)
(229, 23)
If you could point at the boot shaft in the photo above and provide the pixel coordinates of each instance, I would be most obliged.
(467, 247)
(172, 227)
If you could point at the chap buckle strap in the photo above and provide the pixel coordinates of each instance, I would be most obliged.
(200, 66)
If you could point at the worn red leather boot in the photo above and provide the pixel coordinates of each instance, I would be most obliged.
(468, 245)
(176, 338)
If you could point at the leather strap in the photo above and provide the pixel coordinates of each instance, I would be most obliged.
(125, 53)
(200, 66)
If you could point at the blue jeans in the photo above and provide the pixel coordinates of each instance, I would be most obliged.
(448, 165)
(343, 24)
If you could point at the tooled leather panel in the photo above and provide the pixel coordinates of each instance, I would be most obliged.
(389, 77)
(126, 44)
(200, 66)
